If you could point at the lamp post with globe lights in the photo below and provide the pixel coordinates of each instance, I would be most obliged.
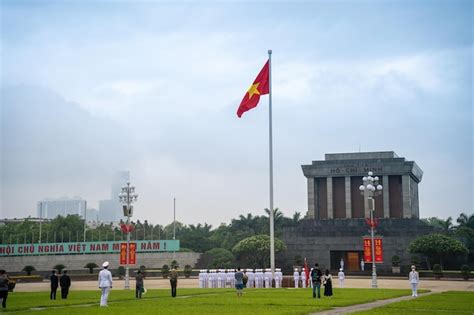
(369, 189)
(127, 197)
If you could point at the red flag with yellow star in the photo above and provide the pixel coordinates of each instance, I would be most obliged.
(259, 87)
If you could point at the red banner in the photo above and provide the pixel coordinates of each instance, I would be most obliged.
(378, 247)
(132, 254)
(378, 250)
(123, 253)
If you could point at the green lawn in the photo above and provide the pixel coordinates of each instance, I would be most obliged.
(196, 301)
(452, 302)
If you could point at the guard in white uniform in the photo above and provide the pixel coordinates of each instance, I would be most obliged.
(105, 283)
(341, 277)
(296, 277)
(303, 278)
(278, 277)
(268, 278)
(414, 279)
(251, 280)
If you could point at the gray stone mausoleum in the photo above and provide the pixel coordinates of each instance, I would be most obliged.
(335, 223)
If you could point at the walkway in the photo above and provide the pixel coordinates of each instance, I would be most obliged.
(367, 306)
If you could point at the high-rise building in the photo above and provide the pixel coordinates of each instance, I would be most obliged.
(110, 210)
(51, 208)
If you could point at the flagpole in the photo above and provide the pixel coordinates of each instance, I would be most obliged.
(272, 234)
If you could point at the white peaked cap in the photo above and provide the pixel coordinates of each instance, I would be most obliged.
(296, 269)
(105, 264)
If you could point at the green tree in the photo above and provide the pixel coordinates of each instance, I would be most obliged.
(255, 250)
(437, 246)
(441, 226)
(28, 269)
(165, 271)
(220, 258)
(91, 266)
(59, 267)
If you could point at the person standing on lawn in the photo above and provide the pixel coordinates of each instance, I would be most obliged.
(105, 283)
(4, 287)
(414, 279)
(65, 283)
(327, 283)
(54, 285)
(239, 283)
(173, 281)
(316, 279)
(341, 277)
(139, 286)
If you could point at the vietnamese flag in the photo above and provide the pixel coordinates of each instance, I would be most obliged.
(259, 87)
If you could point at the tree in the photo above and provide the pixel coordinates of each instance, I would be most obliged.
(437, 247)
(165, 271)
(220, 258)
(255, 250)
(442, 226)
(28, 269)
(91, 266)
(59, 267)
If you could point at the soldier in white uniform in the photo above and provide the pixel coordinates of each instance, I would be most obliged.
(258, 278)
(414, 279)
(251, 280)
(341, 277)
(200, 279)
(296, 277)
(278, 277)
(221, 276)
(303, 278)
(105, 283)
(268, 278)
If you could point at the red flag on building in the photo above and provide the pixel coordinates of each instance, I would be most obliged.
(259, 87)
(306, 271)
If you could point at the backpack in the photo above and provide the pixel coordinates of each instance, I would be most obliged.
(316, 275)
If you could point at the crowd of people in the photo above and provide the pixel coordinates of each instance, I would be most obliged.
(253, 278)
(214, 278)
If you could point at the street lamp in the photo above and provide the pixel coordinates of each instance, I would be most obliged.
(127, 197)
(369, 190)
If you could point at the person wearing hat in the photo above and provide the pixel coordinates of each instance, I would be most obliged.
(105, 283)
(414, 279)
(341, 277)
(296, 277)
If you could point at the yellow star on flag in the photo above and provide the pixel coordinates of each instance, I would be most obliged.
(253, 89)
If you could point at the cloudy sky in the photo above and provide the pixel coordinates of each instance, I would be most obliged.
(89, 88)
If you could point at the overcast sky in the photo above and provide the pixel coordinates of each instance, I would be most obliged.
(90, 88)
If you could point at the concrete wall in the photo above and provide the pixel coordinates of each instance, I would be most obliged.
(315, 239)
(77, 262)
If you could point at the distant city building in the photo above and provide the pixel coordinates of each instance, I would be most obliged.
(51, 208)
(92, 215)
(111, 210)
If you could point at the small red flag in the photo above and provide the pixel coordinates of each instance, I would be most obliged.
(306, 271)
(259, 87)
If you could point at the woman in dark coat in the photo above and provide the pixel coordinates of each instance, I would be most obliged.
(327, 283)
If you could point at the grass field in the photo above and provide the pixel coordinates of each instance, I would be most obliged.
(195, 301)
(452, 302)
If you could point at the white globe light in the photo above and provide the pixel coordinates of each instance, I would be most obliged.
(376, 178)
(364, 178)
(379, 187)
(373, 188)
(369, 187)
(370, 178)
(361, 187)
(371, 173)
